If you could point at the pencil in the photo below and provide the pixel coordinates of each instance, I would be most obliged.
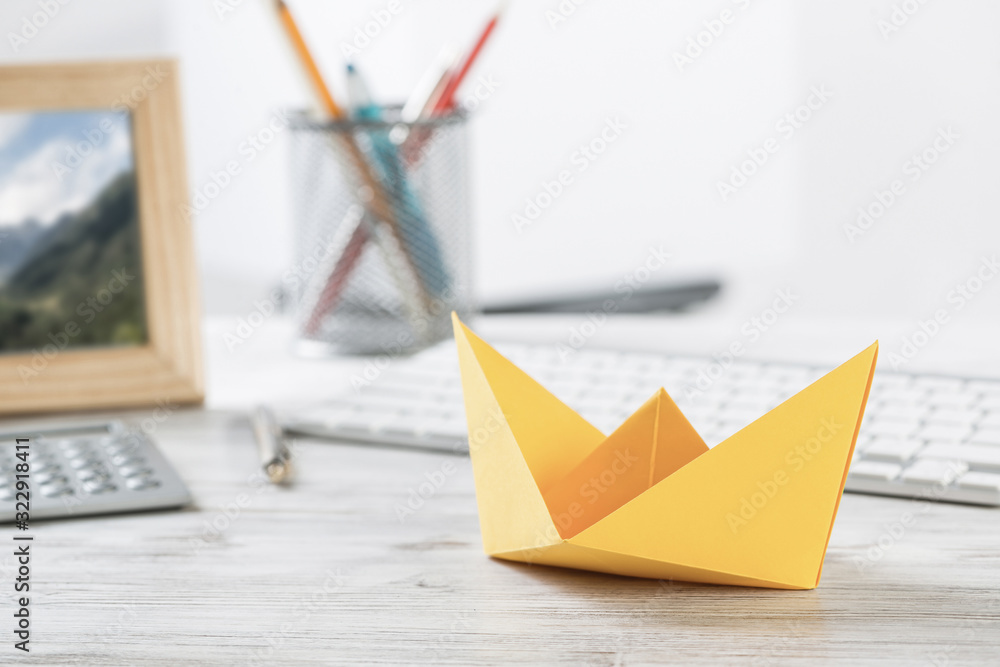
(447, 99)
(308, 63)
(430, 87)
(379, 204)
(442, 100)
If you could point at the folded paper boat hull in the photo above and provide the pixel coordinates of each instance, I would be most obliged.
(651, 500)
(567, 554)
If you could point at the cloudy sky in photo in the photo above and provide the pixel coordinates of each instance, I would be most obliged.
(34, 144)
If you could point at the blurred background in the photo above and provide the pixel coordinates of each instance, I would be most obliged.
(841, 100)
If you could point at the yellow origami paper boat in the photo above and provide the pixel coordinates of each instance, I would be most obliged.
(651, 500)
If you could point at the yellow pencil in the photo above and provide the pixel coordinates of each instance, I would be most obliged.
(308, 63)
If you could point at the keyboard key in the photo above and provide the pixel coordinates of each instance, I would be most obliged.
(990, 420)
(566, 391)
(863, 441)
(896, 429)
(963, 416)
(875, 470)
(892, 449)
(904, 396)
(984, 386)
(939, 383)
(984, 481)
(330, 417)
(952, 399)
(740, 416)
(898, 412)
(986, 436)
(989, 402)
(728, 428)
(929, 472)
(702, 424)
(758, 403)
(977, 456)
(946, 432)
(883, 381)
(358, 424)
(699, 411)
(439, 427)
(589, 407)
(788, 374)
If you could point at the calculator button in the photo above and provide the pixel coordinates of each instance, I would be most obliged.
(142, 483)
(95, 487)
(51, 477)
(124, 445)
(134, 470)
(55, 490)
(127, 460)
(85, 462)
(119, 446)
(99, 473)
(78, 450)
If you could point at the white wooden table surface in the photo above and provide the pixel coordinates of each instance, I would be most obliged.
(325, 572)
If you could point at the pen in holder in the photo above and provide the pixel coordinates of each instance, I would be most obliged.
(383, 244)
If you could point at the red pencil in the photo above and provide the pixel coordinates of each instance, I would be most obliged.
(337, 280)
(447, 99)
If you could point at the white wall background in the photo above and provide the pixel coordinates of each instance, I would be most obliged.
(656, 185)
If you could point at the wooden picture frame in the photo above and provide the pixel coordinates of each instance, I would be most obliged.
(167, 367)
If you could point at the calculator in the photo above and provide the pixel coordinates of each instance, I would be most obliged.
(85, 469)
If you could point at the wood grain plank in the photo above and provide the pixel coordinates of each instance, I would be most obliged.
(324, 572)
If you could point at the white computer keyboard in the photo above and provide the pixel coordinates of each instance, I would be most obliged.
(922, 436)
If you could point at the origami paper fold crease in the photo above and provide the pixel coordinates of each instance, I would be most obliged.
(651, 499)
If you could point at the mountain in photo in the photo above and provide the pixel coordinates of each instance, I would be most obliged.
(68, 266)
(15, 244)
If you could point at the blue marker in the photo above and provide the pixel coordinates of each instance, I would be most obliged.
(419, 237)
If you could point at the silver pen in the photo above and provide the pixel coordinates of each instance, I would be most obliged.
(275, 456)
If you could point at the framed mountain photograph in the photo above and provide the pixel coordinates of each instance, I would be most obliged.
(98, 294)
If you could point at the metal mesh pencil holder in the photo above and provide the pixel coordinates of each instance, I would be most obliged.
(383, 244)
